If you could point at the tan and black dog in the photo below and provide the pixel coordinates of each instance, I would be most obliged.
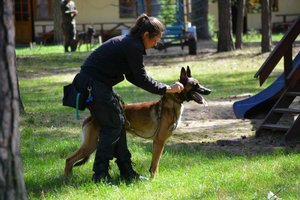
(154, 120)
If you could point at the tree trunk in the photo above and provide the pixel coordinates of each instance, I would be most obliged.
(200, 18)
(225, 42)
(266, 31)
(57, 20)
(240, 24)
(12, 184)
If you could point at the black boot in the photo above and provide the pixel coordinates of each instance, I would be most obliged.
(101, 174)
(127, 172)
(66, 48)
(104, 153)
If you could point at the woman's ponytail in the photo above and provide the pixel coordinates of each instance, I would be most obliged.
(147, 24)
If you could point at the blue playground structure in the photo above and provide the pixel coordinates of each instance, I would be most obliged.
(264, 100)
(178, 32)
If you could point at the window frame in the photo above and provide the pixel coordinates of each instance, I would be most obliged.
(36, 11)
(129, 6)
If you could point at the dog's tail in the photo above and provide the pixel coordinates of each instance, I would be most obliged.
(82, 161)
(87, 120)
(85, 159)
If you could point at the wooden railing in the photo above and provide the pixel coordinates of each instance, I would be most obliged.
(101, 27)
(282, 49)
(105, 29)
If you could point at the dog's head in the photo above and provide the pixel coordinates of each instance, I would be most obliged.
(91, 30)
(192, 88)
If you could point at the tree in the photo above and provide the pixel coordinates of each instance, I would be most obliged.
(57, 20)
(12, 184)
(266, 31)
(240, 24)
(200, 18)
(168, 11)
(225, 42)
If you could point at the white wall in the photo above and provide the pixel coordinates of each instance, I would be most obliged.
(99, 11)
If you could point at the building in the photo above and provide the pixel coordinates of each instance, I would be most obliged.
(33, 18)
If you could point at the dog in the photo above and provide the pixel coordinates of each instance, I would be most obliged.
(154, 120)
(86, 38)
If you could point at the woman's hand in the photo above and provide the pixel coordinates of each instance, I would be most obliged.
(177, 87)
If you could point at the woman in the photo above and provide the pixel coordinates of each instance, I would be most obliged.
(118, 58)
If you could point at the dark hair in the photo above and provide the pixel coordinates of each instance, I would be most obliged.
(147, 24)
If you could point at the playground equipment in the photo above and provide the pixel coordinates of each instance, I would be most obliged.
(264, 100)
(178, 32)
(278, 97)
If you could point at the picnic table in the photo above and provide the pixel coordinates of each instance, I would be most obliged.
(284, 23)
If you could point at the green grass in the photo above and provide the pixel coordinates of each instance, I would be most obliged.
(254, 37)
(49, 133)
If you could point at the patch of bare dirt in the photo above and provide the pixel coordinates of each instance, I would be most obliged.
(215, 126)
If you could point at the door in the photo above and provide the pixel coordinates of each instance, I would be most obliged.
(23, 21)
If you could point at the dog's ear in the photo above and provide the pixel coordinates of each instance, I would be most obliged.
(188, 72)
(183, 75)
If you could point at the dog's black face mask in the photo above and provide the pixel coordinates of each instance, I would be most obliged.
(91, 31)
(192, 88)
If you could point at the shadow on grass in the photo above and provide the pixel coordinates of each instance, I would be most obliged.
(47, 154)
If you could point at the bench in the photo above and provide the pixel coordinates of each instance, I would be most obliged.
(284, 24)
(177, 36)
(281, 26)
(173, 36)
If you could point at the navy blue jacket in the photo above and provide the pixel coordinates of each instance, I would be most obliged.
(118, 57)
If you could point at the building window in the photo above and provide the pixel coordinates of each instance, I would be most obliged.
(43, 9)
(127, 8)
(22, 10)
(275, 6)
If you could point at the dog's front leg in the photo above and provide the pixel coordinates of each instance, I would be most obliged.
(158, 147)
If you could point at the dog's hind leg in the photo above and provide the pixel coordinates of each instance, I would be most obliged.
(76, 156)
(88, 146)
(78, 46)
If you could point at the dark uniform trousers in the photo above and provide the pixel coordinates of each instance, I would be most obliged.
(69, 31)
(106, 109)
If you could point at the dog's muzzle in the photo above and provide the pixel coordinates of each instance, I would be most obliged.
(196, 95)
(204, 90)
